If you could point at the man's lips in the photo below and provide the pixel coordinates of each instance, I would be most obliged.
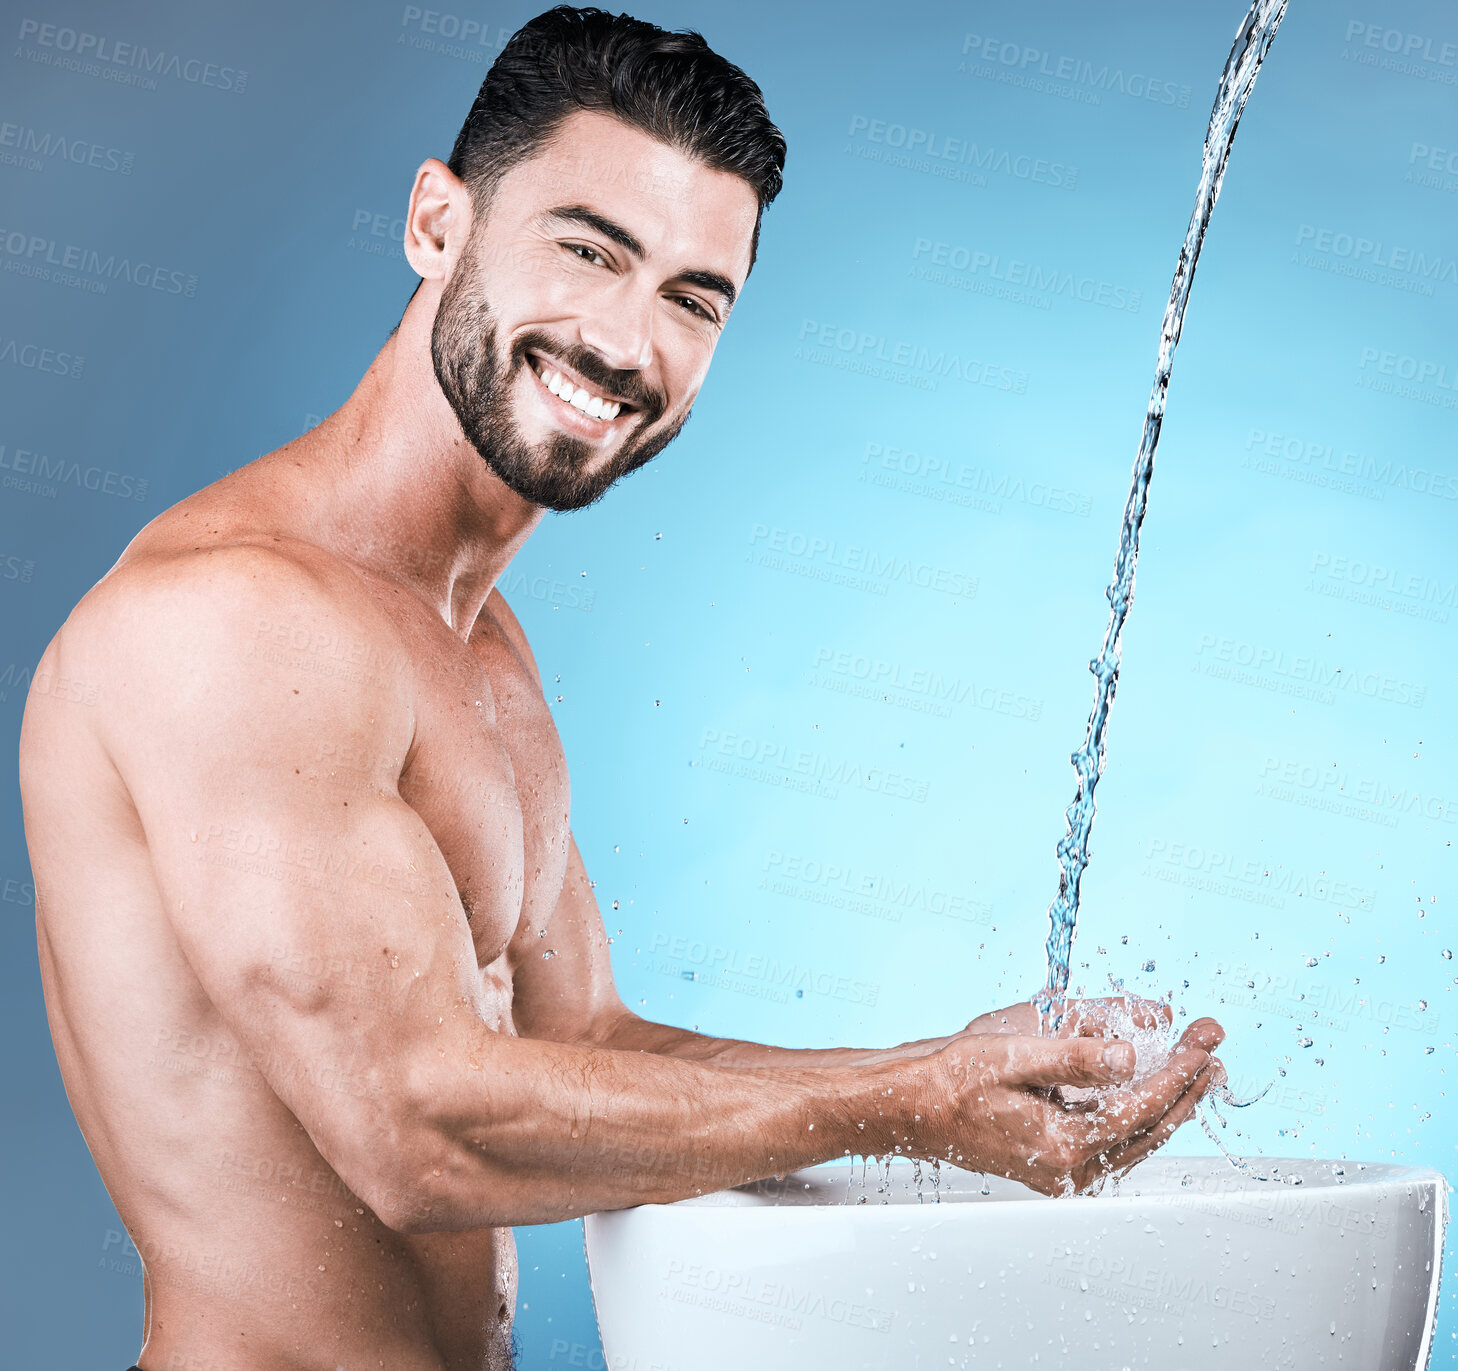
(571, 389)
(573, 418)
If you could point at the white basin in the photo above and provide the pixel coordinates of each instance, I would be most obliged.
(1191, 1267)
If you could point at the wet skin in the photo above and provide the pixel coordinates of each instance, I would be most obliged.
(300, 825)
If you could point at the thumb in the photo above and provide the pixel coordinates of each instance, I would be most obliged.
(1066, 1061)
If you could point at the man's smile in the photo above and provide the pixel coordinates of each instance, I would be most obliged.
(570, 390)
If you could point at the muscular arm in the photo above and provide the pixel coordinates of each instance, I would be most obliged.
(1020, 1133)
(325, 930)
(265, 868)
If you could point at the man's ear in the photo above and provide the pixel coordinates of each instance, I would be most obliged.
(438, 222)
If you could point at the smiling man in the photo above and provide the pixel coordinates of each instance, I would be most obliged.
(327, 983)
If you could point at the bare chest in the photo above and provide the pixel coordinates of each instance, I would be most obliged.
(488, 778)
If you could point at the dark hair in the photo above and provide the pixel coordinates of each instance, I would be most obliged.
(671, 85)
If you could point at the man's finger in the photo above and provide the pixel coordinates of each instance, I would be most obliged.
(1064, 1061)
(1205, 1034)
(1125, 1155)
(1136, 1110)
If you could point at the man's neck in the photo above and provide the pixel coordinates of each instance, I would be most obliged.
(392, 482)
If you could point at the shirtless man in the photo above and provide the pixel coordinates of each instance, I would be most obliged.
(299, 817)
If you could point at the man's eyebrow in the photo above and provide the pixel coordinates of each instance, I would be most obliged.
(615, 233)
(711, 280)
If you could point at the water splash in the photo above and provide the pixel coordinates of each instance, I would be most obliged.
(1136, 1020)
(1211, 1105)
(1252, 42)
(1132, 1019)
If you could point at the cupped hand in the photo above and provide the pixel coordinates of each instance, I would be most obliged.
(991, 1105)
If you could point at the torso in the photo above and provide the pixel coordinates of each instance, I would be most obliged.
(256, 1256)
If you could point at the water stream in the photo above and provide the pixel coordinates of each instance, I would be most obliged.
(1252, 42)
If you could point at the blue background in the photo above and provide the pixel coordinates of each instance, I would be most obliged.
(1264, 841)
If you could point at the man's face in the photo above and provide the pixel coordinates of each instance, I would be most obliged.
(603, 271)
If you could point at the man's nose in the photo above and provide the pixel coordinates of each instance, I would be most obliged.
(620, 328)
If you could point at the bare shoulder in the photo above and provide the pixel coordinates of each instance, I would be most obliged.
(510, 625)
(225, 635)
(165, 602)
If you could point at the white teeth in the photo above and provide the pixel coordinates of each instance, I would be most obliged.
(579, 398)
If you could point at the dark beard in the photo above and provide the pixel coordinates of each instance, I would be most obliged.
(556, 474)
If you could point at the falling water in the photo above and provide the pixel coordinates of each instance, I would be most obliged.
(1252, 41)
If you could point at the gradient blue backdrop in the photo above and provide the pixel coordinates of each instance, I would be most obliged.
(1281, 799)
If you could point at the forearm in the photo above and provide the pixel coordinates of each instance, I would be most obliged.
(632, 1034)
(521, 1131)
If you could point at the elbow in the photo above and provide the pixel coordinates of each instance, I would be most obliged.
(424, 1181)
(411, 1210)
(391, 1158)
(415, 1200)
(407, 1185)
(434, 1203)
(450, 1189)
(430, 1163)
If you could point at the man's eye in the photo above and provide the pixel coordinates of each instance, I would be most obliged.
(693, 306)
(588, 254)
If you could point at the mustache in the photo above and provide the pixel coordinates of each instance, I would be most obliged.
(627, 385)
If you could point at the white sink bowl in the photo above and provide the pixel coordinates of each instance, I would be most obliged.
(1191, 1267)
